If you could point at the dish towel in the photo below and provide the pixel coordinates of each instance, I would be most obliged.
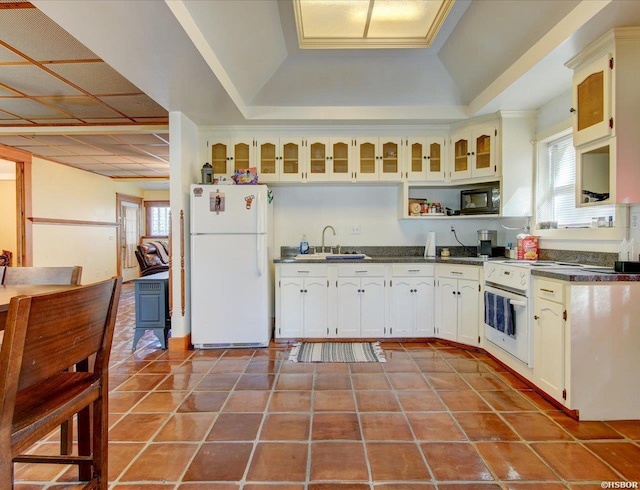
(498, 313)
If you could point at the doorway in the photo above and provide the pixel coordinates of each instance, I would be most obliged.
(129, 217)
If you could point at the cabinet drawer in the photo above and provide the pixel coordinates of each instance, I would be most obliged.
(549, 290)
(413, 269)
(351, 270)
(458, 271)
(303, 270)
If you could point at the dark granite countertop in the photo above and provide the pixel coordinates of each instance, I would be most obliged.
(585, 275)
(387, 260)
(461, 256)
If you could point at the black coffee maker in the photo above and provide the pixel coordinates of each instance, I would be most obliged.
(487, 242)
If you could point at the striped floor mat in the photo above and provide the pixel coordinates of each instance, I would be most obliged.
(337, 352)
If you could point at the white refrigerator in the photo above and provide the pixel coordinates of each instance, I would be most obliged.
(231, 266)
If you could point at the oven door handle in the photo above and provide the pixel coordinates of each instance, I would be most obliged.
(517, 303)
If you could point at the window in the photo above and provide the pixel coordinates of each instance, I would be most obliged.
(556, 194)
(157, 218)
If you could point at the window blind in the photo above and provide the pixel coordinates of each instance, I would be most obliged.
(557, 188)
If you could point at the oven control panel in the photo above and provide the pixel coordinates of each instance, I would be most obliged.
(518, 278)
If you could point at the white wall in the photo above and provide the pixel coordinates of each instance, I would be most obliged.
(308, 209)
(553, 112)
(8, 237)
(65, 193)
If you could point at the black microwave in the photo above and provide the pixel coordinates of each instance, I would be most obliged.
(482, 200)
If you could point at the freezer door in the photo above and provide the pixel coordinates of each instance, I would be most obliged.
(228, 209)
(229, 291)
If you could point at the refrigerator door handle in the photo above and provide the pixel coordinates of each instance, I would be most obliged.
(259, 254)
(261, 215)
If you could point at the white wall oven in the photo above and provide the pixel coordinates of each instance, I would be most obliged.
(508, 306)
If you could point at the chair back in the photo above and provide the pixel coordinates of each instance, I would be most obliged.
(58, 276)
(2, 268)
(47, 333)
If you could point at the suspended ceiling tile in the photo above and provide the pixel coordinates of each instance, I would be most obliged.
(121, 149)
(150, 159)
(76, 160)
(31, 80)
(111, 120)
(27, 109)
(117, 173)
(152, 173)
(6, 92)
(152, 120)
(140, 139)
(132, 167)
(52, 42)
(47, 139)
(46, 151)
(81, 107)
(7, 55)
(66, 122)
(17, 122)
(157, 166)
(96, 167)
(95, 78)
(136, 105)
(86, 150)
(4, 115)
(113, 159)
(94, 139)
(11, 140)
(159, 151)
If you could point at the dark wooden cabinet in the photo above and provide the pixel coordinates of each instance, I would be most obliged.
(152, 307)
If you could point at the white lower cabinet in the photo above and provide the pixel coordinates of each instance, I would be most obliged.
(377, 301)
(302, 302)
(458, 303)
(361, 301)
(549, 315)
(412, 301)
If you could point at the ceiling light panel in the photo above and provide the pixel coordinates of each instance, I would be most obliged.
(334, 19)
(357, 24)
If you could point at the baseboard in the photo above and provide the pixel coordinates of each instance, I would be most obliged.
(180, 344)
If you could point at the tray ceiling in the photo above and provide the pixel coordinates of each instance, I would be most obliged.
(238, 63)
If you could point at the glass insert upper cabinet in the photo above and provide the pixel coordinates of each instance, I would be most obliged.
(329, 159)
(280, 159)
(231, 154)
(378, 158)
(591, 111)
(473, 153)
(425, 158)
(605, 118)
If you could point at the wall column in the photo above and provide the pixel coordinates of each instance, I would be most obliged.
(183, 153)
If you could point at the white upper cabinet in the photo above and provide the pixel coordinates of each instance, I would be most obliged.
(281, 159)
(329, 159)
(473, 153)
(378, 158)
(231, 154)
(424, 159)
(605, 118)
(591, 111)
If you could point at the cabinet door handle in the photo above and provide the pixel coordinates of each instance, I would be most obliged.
(572, 110)
(453, 292)
(458, 293)
(456, 272)
(536, 317)
(547, 290)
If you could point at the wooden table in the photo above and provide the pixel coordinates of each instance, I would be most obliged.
(8, 292)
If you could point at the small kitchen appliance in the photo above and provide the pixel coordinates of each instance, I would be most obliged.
(486, 242)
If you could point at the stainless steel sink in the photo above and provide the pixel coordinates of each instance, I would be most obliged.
(332, 256)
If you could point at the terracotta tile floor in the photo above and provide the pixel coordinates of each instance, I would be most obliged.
(432, 417)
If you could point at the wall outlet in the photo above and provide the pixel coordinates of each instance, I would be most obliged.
(355, 229)
(634, 221)
(452, 229)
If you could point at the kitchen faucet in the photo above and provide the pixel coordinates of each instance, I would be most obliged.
(325, 229)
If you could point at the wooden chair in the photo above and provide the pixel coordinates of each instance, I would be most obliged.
(44, 336)
(2, 268)
(53, 276)
(42, 275)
